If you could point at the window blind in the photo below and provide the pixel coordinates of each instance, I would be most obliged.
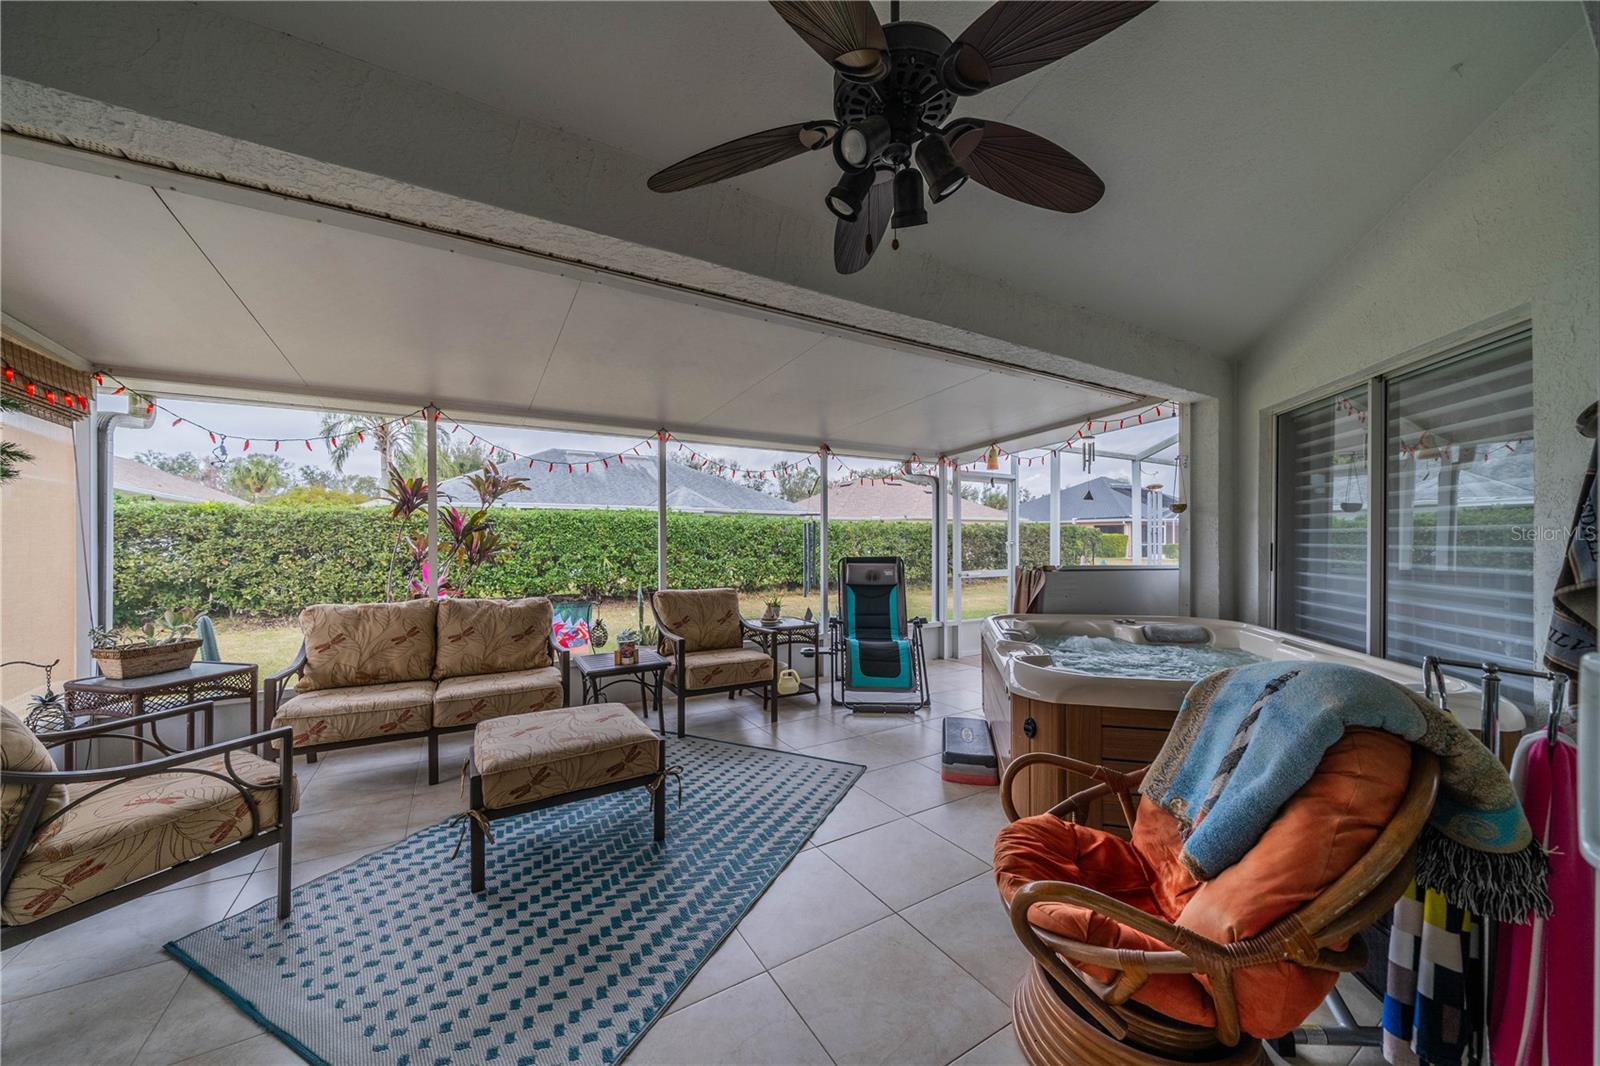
(1459, 524)
(1322, 520)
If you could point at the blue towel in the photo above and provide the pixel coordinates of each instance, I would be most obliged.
(1247, 739)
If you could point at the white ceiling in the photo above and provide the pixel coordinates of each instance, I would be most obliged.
(1245, 147)
(252, 294)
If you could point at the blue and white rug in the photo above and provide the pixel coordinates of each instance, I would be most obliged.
(588, 930)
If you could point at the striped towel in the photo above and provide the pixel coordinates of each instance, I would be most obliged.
(1434, 985)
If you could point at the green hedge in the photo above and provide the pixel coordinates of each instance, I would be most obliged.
(271, 561)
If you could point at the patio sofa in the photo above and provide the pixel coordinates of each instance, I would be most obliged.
(375, 672)
(126, 831)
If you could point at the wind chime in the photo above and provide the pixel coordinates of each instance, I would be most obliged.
(1088, 450)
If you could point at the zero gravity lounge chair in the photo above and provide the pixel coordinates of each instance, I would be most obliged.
(878, 661)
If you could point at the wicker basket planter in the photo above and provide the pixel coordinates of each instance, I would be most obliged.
(141, 660)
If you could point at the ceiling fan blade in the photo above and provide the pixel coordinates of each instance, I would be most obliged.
(741, 156)
(845, 32)
(1015, 37)
(854, 242)
(1024, 166)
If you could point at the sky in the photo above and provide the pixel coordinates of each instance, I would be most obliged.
(262, 424)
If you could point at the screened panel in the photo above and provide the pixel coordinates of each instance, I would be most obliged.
(1460, 510)
(1322, 520)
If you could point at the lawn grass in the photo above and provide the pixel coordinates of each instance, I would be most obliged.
(272, 644)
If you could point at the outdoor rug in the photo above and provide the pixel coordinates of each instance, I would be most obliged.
(587, 932)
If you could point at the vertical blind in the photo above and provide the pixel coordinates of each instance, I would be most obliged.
(1322, 520)
(1456, 446)
(1459, 535)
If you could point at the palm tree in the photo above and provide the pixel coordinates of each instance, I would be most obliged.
(386, 434)
(257, 475)
(12, 455)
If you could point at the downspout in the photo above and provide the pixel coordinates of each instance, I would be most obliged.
(105, 432)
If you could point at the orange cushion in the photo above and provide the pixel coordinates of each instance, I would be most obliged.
(1317, 835)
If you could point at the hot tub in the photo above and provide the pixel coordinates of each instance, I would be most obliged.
(1106, 689)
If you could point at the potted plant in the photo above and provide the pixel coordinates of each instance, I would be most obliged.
(627, 653)
(773, 612)
(145, 653)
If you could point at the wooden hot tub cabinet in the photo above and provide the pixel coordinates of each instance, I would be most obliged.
(1122, 738)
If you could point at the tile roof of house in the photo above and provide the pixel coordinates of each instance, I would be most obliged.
(137, 479)
(892, 499)
(619, 484)
(1096, 500)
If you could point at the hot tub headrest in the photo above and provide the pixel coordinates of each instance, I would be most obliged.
(1012, 629)
(871, 574)
(1175, 633)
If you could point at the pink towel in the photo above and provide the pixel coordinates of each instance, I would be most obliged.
(1544, 972)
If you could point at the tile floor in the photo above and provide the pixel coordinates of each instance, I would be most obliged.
(882, 942)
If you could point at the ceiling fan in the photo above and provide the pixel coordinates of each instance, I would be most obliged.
(895, 87)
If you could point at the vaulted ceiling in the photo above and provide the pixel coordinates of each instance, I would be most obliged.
(1245, 147)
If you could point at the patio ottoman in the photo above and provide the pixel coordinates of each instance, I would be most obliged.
(526, 762)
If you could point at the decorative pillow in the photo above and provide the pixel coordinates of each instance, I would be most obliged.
(21, 752)
(706, 619)
(367, 643)
(492, 636)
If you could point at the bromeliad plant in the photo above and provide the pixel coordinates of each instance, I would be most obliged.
(172, 626)
(467, 541)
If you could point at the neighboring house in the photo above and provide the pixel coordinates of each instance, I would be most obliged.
(133, 478)
(890, 500)
(612, 485)
(1107, 505)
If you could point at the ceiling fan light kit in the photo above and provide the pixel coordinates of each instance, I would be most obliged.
(859, 143)
(939, 167)
(908, 206)
(847, 198)
(895, 87)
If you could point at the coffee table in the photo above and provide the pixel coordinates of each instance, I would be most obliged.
(599, 671)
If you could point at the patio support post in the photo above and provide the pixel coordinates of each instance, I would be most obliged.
(433, 503)
(1013, 535)
(1136, 502)
(825, 458)
(1055, 507)
(661, 509)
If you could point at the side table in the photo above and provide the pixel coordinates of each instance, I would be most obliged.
(104, 697)
(599, 671)
(789, 632)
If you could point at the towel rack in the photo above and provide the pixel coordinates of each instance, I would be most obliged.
(1489, 724)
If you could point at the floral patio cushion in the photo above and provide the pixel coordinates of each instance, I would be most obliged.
(367, 643)
(464, 700)
(136, 828)
(21, 752)
(492, 636)
(706, 619)
(729, 666)
(530, 757)
(332, 715)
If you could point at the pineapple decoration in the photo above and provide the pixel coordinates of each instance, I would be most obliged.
(47, 711)
(598, 634)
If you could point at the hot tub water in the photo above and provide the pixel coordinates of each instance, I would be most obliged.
(1109, 657)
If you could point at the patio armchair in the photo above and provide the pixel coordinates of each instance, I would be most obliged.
(707, 644)
(1135, 962)
(78, 842)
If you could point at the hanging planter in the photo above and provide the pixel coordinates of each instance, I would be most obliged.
(991, 458)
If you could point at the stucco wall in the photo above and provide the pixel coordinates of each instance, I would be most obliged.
(1507, 227)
